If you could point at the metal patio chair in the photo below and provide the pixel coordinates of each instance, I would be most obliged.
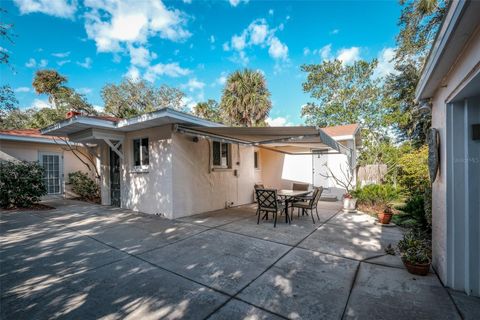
(310, 204)
(267, 201)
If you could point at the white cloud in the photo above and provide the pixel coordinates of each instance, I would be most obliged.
(61, 54)
(278, 50)
(349, 55)
(84, 90)
(187, 1)
(133, 73)
(57, 8)
(22, 89)
(270, 12)
(141, 56)
(278, 122)
(238, 42)
(212, 39)
(325, 52)
(98, 108)
(40, 104)
(111, 23)
(258, 33)
(193, 85)
(334, 31)
(222, 79)
(32, 63)
(87, 63)
(306, 51)
(235, 3)
(385, 63)
(170, 69)
(62, 62)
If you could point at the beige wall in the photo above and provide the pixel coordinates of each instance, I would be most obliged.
(29, 151)
(197, 188)
(451, 85)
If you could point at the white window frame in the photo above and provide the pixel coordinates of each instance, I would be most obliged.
(60, 169)
(141, 167)
(228, 165)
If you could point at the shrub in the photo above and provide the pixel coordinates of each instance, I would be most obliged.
(413, 171)
(377, 195)
(21, 184)
(415, 247)
(427, 205)
(414, 213)
(83, 185)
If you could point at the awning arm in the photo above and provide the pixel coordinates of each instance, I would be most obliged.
(196, 133)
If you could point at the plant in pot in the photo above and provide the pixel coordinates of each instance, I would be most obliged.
(385, 215)
(415, 250)
(345, 180)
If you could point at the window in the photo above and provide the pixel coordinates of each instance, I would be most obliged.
(221, 154)
(140, 152)
(255, 160)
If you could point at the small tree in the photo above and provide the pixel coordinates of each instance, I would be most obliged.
(345, 179)
(21, 184)
(82, 185)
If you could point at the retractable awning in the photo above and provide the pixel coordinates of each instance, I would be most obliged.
(289, 140)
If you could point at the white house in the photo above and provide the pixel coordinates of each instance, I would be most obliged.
(53, 153)
(450, 87)
(175, 164)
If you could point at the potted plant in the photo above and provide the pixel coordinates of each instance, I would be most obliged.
(385, 215)
(349, 203)
(416, 253)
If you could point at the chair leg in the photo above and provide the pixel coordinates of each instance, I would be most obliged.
(259, 214)
(275, 219)
(311, 213)
(316, 210)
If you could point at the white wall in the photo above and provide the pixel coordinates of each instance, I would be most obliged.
(454, 229)
(197, 189)
(29, 151)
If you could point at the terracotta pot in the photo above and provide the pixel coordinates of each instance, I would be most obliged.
(419, 269)
(384, 218)
(349, 205)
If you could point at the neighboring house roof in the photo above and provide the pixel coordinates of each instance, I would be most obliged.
(28, 135)
(343, 130)
(458, 26)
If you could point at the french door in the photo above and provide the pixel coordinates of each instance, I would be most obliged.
(53, 171)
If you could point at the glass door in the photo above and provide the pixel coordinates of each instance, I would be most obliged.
(52, 175)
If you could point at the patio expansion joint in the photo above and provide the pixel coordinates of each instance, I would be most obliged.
(235, 296)
(449, 294)
(354, 280)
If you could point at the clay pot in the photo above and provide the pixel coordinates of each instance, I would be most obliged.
(384, 217)
(419, 269)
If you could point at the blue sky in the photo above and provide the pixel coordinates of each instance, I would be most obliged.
(193, 44)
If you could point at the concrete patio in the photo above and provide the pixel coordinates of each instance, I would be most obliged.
(83, 261)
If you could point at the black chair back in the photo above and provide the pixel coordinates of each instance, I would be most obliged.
(266, 199)
(317, 192)
(300, 186)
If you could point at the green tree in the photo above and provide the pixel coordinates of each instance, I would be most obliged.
(419, 22)
(246, 99)
(208, 110)
(132, 98)
(62, 98)
(8, 103)
(344, 94)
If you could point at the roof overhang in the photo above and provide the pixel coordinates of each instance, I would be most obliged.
(160, 117)
(20, 138)
(288, 140)
(458, 26)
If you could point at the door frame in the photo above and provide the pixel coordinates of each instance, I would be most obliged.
(60, 169)
(110, 152)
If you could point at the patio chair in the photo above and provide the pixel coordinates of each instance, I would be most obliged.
(310, 204)
(267, 201)
(300, 186)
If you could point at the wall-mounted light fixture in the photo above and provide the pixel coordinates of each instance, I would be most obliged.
(425, 106)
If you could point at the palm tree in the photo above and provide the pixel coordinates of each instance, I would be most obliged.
(246, 99)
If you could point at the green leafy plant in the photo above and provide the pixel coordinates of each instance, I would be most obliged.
(84, 186)
(415, 247)
(377, 196)
(413, 213)
(21, 184)
(413, 171)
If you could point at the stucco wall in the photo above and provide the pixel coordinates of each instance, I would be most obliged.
(443, 238)
(198, 189)
(282, 170)
(29, 151)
